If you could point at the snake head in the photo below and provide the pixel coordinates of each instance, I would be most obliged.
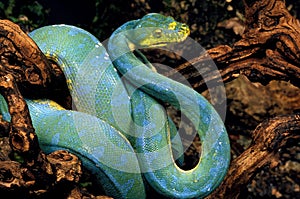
(155, 30)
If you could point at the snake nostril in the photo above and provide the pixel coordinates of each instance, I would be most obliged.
(185, 29)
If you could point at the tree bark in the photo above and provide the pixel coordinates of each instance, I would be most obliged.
(268, 138)
(24, 67)
(268, 50)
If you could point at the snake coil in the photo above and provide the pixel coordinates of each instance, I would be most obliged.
(119, 129)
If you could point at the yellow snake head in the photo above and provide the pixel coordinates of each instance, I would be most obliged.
(158, 30)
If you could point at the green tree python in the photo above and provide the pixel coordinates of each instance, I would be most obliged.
(119, 129)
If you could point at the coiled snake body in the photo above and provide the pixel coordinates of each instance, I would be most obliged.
(120, 131)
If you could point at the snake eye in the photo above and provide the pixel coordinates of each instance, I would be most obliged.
(158, 33)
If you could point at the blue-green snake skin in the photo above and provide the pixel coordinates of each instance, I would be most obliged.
(119, 130)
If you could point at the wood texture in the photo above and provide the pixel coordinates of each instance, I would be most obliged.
(25, 70)
(268, 138)
(268, 50)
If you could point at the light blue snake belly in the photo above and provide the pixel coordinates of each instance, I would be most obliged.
(94, 83)
(102, 149)
(111, 110)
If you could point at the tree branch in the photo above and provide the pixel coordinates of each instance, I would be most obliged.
(268, 49)
(268, 138)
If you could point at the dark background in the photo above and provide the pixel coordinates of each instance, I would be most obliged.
(101, 17)
(205, 18)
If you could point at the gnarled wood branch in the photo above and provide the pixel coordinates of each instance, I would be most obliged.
(268, 49)
(268, 138)
(24, 67)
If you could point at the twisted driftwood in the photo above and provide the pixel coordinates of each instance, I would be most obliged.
(268, 50)
(24, 67)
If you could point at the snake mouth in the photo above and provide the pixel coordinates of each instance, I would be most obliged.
(150, 36)
(184, 30)
(169, 37)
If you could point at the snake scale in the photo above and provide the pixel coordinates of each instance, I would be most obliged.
(119, 129)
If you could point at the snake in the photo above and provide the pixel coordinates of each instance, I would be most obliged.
(119, 127)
